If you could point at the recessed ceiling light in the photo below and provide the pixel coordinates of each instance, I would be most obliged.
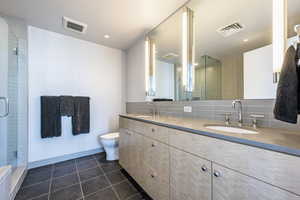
(106, 36)
(246, 40)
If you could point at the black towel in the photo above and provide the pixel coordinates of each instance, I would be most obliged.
(298, 72)
(66, 106)
(286, 106)
(81, 118)
(50, 117)
(161, 99)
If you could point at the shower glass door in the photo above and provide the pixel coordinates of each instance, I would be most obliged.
(9, 101)
(13, 105)
(12, 96)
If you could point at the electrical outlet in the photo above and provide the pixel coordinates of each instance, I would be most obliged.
(187, 109)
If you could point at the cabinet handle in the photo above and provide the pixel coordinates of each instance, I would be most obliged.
(153, 130)
(217, 174)
(153, 145)
(204, 168)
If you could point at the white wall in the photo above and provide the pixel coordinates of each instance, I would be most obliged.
(164, 80)
(258, 74)
(135, 78)
(62, 65)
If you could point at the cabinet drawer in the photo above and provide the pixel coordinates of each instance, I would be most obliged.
(123, 123)
(156, 156)
(230, 185)
(130, 124)
(157, 132)
(155, 185)
(156, 166)
(275, 168)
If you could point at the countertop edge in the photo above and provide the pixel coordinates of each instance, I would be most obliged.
(271, 147)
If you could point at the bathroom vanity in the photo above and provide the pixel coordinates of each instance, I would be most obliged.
(180, 159)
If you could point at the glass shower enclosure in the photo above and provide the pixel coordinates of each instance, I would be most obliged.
(13, 105)
(207, 81)
(208, 77)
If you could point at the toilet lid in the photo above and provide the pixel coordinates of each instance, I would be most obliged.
(110, 136)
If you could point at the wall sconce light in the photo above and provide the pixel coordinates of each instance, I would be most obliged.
(150, 67)
(279, 36)
(188, 50)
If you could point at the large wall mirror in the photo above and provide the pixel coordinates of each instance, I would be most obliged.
(228, 51)
(293, 23)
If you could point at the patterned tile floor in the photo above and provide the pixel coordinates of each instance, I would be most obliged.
(86, 178)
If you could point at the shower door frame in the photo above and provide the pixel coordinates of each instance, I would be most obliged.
(20, 149)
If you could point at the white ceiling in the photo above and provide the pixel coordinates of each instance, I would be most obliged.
(124, 20)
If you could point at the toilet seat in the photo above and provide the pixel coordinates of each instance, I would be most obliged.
(110, 136)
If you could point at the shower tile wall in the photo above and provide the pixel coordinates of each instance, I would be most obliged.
(212, 109)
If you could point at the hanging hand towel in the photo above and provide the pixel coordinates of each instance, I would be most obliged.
(286, 105)
(81, 118)
(298, 73)
(50, 117)
(66, 106)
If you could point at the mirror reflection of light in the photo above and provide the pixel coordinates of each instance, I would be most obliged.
(147, 56)
(279, 35)
(184, 47)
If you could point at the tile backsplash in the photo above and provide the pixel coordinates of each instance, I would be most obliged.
(212, 110)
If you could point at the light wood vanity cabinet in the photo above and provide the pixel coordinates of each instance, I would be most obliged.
(144, 158)
(177, 165)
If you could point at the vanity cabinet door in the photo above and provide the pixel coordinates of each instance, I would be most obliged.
(124, 142)
(190, 176)
(136, 157)
(131, 154)
(231, 185)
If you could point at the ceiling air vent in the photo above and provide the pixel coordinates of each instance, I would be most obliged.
(230, 29)
(74, 25)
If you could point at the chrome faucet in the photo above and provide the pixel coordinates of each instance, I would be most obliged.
(240, 110)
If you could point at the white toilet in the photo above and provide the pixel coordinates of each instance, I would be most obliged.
(110, 142)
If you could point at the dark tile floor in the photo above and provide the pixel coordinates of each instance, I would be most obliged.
(86, 178)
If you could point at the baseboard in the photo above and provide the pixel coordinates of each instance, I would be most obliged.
(49, 161)
(15, 188)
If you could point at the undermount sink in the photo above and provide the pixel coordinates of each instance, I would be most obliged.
(231, 129)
